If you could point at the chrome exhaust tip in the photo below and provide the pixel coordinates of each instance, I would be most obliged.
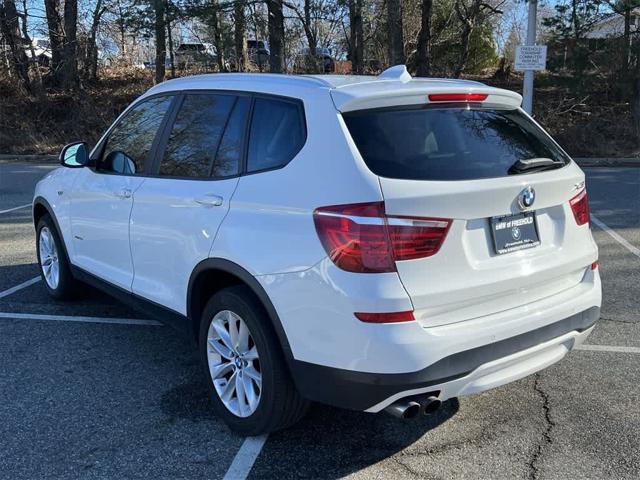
(404, 409)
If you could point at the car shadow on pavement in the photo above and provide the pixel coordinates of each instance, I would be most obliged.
(35, 299)
(333, 443)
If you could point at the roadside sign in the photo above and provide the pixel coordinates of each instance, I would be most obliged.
(531, 57)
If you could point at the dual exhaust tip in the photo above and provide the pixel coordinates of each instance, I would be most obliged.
(412, 408)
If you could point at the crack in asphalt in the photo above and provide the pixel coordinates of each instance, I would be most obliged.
(413, 472)
(617, 320)
(534, 469)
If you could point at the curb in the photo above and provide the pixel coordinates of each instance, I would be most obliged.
(608, 162)
(8, 158)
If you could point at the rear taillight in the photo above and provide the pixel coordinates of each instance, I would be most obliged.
(580, 207)
(361, 238)
(458, 97)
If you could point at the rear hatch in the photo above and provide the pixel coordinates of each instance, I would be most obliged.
(515, 204)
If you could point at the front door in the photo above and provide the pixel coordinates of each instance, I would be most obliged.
(102, 197)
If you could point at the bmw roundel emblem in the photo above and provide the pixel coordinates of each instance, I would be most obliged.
(515, 233)
(527, 197)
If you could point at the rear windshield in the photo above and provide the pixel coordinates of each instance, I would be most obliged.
(450, 143)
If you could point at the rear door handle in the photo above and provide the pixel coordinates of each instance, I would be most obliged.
(209, 200)
(124, 193)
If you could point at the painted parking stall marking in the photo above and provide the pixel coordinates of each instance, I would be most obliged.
(69, 318)
(608, 348)
(245, 458)
(15, 208)
(613, 234)
(26, 284)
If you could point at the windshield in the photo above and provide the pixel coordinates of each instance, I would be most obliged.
(449, 142)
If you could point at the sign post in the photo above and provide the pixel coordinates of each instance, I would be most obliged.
(527, 88)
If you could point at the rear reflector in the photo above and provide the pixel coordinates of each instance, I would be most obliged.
(580, 207)
(594, 265)
(390, 317)
(457, 97)
(362, 238)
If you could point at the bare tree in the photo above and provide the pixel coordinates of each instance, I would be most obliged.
(161, 41)
(56, 35)
(276, 35)
(394, 29)
(10, 29)
(91, 60)
(27, 38)
(240, 35)
(68, 73)
(423, 64)
(356, 36)
(470, 13)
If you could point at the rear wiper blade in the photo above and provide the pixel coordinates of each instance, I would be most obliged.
(525, 165)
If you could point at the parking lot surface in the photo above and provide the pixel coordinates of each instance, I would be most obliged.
(81, 396)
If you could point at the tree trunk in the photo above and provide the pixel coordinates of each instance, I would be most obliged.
(467, 17)
(91, 61)
(120, 22)
(217, 35)
(54, 24)
(276, 36)
(356, 36)
(68, 73)
(170, 41)
(161, 41)
(10, 30)
(239, 35)
(626, 38)
(423, 66)
(27, 38)
(394, 28)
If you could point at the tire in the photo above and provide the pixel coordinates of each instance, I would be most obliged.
(60, 283)
(278, 403)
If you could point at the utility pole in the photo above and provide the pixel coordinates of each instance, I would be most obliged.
(527, 88)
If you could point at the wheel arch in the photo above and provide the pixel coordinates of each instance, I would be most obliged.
(213, 274)
(41, 208)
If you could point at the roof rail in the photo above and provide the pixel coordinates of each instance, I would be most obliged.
(398, 72)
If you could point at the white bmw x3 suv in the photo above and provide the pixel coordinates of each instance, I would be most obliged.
(373, 243)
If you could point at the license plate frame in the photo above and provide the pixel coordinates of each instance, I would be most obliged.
(514, 232)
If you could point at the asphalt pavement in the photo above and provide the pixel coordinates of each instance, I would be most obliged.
(127, 400)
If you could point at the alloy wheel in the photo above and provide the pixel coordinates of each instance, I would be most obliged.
(49, 262)
(234, 363)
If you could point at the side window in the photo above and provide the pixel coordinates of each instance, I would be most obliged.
(229, 155)
(196, 136)
(129, 143)
(277, 133)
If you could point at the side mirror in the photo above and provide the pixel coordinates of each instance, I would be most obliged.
(74, 155)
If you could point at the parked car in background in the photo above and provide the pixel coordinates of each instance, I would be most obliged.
(373, 243)
(259, 52)
(321, 62)
(42, 51)
(195, 54)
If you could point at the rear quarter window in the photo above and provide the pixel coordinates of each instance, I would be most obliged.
(276, 135)
(448, 142)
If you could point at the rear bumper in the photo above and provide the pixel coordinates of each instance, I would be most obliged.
(461, 373)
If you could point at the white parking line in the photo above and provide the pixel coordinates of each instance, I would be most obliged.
(608, 348)
(15, 208)
(616, 236)
(67, 318)
(26, 284)
(245, 458)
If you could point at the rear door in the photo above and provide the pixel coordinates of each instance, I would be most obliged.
(177, 212)
(473, 165)
(102, 196)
